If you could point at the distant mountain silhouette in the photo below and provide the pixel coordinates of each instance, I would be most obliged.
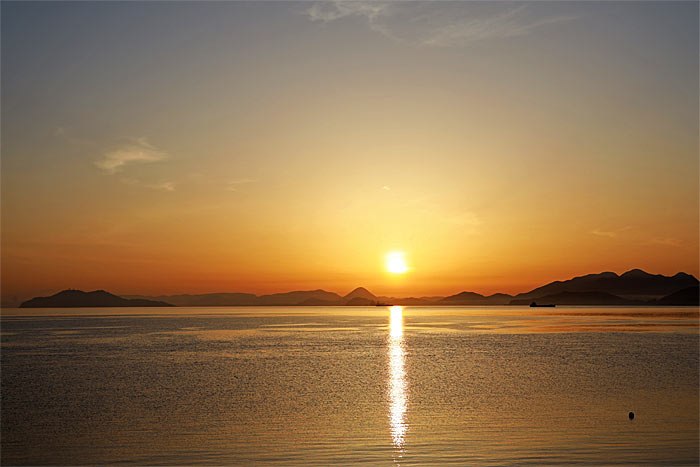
(689, 296)
(209, 299)
(579, 298)
(80, 299)
(473, 298)
(358, 297)
(361, 292)
(304, 297)
(361, 301)
(463, 297)
(497, 297)
(635, 285)
(298, 298)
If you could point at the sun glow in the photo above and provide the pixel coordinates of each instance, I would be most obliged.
(396, 262)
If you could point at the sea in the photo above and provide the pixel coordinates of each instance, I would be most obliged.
(393, 386)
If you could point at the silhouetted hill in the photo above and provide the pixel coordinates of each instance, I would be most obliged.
(499, 297)
(635, 284)
(473, 298)
(297, 298)
(80, 299)
(209, 299)
(634, 287)
(579, 298)
(361, 292)
(689, 296)
(463, 297)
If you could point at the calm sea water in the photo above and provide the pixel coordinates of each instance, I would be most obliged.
(375, 386)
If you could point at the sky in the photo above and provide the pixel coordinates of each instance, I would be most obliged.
(175, 147)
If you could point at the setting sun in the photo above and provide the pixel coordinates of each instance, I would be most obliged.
(396, 262)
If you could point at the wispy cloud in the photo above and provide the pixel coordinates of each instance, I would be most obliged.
(234, 185)
(508, 24)
(668, 241)
(638, 237)
(437, 24)
(139, 151)
(603, 233)
(609, 233)
(164, 186)
(330, 11)
(159, 186)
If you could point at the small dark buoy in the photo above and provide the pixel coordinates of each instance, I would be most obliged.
(631, 415)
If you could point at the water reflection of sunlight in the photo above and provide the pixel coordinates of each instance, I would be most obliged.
(397, 379)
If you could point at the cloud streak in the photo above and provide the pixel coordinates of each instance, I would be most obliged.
(234, 185)
(437, 24)
(139, 151)
(330, 11)
(609, 233)
(158, 186)
(509, 24)
(603, 233)
(667, 241)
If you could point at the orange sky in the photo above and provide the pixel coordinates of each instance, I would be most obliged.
(266, 148)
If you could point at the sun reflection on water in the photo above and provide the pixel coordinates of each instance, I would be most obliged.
(397, 379)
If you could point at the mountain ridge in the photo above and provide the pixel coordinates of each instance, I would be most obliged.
(633, 287)
(360, 292)
(634, 284)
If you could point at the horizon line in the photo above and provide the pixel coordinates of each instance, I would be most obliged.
(382, 295)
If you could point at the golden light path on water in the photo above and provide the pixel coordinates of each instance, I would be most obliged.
(398, 400)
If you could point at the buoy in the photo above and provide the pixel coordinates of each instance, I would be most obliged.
(631, 415)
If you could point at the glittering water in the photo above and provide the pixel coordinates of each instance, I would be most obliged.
(397, 380)
(379, 386)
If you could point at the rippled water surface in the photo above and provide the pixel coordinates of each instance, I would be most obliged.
(375, 386)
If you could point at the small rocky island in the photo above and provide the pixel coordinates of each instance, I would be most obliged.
(80, 299)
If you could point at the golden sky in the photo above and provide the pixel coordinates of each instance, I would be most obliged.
(157, 148)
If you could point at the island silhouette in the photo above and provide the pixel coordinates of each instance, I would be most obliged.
(633, 288)
(78, 299)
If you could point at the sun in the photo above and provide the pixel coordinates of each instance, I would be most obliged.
(396, 262)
